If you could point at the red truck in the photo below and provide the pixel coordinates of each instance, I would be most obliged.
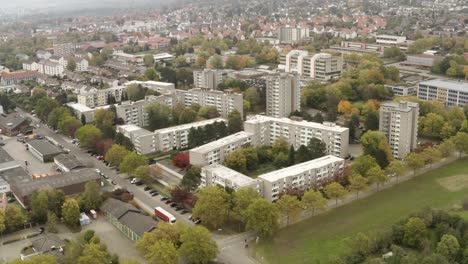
(164, 215)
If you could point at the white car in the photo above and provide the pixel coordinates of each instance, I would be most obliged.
(98, 171)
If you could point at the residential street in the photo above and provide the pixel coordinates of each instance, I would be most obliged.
(232, 250)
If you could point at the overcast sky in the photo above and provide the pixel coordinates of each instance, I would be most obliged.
(44, 4)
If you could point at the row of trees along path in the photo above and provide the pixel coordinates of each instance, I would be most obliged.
(373, 188)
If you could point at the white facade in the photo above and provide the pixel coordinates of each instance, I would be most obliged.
(319, 66)
(448, 92)
(266, 130)
(209, 78)
(219, 175)
(283, 95)
(292, 35)
(135, 112)
(390, 39)
(97, 97)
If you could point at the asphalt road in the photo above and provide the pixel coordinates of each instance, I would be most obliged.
(231, 247)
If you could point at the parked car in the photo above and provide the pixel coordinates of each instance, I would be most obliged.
(178, 208)
(168, 201)
(11, 199)
(154, 194)
(138, 183)
(100, 158)
(164, 198)
(98, 171)
(147, 188)
(190, 217)
(173, 204)
(198, 221)
(184, 211)
(113, 182)
(153, 191)
(104, 176)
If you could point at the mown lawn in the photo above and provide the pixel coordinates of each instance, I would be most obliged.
(322, 237)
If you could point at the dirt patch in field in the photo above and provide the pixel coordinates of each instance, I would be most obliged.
(454, 183)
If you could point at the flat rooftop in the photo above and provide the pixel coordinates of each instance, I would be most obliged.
(79, 107)
(299, 168)
(258, 119)
(239, 136)
(44, 147)
(189, 125)
(224, 172)
(401, 105)
(134, 129)
(27, 187)
(449, 84)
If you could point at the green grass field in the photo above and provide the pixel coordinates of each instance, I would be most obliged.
(322, 237)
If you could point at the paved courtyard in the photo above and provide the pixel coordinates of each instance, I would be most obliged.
(17, 151)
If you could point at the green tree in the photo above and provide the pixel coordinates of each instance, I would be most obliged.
(414, 232)
(93, 254)
(38, 259)
(302, 154)
(39, 206)
(314, 200)
(71, 65)
(159, 116)
(280, 145)
(166, 232)
(241, 200)
(212, 206)
(431, 125)
(52, 222)
(235, 122)
(136, 92)
(162, 252)
(148, 60)
(376, 175)
(317, 148)
(371, 121)
(335, 191)
(375, 144)
(198, 246)
(396, 169)
(414, 161)
(15, 218)
(129, 261)
(103, 117)
(357, 183)
(151, 74)
(431, 155)
(262, 217)
(290, 207)
(116, 154)
(281, 160)
(56, 115)
(362, 164)
(187, 116)
(192, 178)
(460, 141)
(71, 212)
(142, 172)
(68, 125)
(44, 106)
(208, 112)
(215, 62)
(253, 97)
(131, 161)
(446, 148)
(88, 135)
(2, 221)
(251, 157)
(124, 141)
(91, 198)
(236, 160)
(448, 246)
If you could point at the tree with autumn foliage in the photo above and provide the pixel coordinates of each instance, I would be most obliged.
(346, 108)
(181, 160)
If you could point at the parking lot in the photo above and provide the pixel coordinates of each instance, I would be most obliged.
(17, 151)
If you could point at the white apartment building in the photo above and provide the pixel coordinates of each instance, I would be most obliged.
(177, 137)
(225, 102)
(399, 123)
(292, 35)
(209, 78)
(215, 152)
(95, 97)
(142, 139)
(449, 92)
(160, 87)
(319, 66)
(45, 67)
(64, 49)
(165, 139)
(390, 39)
(303, 176)
(283, 95)
(266, 130)
(219, 175)
(134, 112)
(402, 89)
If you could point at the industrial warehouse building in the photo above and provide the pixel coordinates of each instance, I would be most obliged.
(43, 150)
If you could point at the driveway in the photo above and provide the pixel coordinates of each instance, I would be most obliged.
(17, 151)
